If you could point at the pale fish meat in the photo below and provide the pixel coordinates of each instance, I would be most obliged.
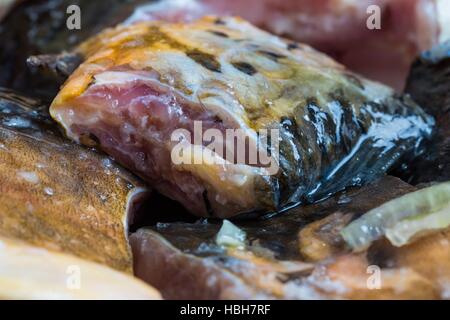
(322, 127)
(336, 27)
(28, 272)
(429, 84)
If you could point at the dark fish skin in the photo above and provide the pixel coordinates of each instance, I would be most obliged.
(54, 66)
(367, 152)
(39, 27)
(429, 85)
(183, 261)
(60, 195)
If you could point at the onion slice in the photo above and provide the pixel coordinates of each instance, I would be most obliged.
(403, 219)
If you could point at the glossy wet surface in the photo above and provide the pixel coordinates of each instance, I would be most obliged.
(297, 255)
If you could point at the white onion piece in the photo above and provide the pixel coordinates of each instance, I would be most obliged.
(397, 215)
(231, 236)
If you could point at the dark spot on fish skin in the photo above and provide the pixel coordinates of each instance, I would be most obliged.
(289, 92)
(271, 55)
(312, 113)
(91, 82)
(330, 127)
(337, 94)
(155, 35)
(205, 59)
(287, 122)
(245, 68)
(218, 33)
(219, 22)
(362, 125)
(291, 143)
(254, 115)
(355, 80)
(292, 46)
(350, 128)
(223, 260)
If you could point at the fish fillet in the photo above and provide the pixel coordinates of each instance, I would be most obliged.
(322, 127)
(57, 194)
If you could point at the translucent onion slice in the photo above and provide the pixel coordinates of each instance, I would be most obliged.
(403, 218)
(231, 236)
(406, 231)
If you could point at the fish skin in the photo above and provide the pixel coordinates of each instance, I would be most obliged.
(428, 84)
(336, 27)
(337, 129)
(60, 195)
(32, 273)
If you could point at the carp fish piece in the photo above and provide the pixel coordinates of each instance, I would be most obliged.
(139, 84)
(59, 195)
(28, 272)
